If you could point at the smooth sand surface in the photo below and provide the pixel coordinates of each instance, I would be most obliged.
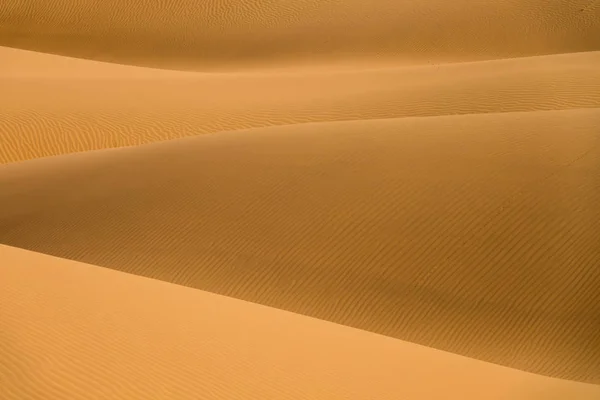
(232, 34)
(425, 171)
(475, 234)
(77, 331)
(52, 105)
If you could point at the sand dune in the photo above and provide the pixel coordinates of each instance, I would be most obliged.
(475, 234)
(237, 33)
(76, 331)
(426, 171)
(96, 105)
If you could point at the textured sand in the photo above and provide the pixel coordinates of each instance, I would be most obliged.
(77, 331)
(425, 171)
(232, 34)
(475, 234)
(95, 105)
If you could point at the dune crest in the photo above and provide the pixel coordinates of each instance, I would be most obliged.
(97, 106)
(335, 199)
(106, 334)
(474, 234)
(233, 34)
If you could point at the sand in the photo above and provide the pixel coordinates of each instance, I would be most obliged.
(474, 234)
(84, 332)
(398, 199)
(97, 105)
(239, 34)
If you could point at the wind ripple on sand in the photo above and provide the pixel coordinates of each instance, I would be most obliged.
(76, 331)
(475, 234)
(239, 33)
(473, 230)
(97, 106)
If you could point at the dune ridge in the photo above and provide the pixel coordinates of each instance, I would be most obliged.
(333, 199)
(479, 236)
(101, 106)
(107, 334)
(234, 34)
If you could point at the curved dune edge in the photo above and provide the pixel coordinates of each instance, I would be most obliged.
(20, 63)
(71, 330)
(473, 234)
(225, 34)
(52, 105)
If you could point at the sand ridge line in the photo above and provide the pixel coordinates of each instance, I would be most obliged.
(109, 334)
(344, 221)
(89, 114)
(234, 34)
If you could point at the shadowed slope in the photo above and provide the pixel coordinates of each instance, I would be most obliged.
(474, 234)
(231, 33)
(67, 105)
(106, 334)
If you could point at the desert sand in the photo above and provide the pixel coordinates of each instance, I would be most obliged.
(107, 334)
(333, 199)
(239, 34)
(98, 105)
(474, 234)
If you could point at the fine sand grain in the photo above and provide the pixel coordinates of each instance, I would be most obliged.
(475, 234)
(79, 332)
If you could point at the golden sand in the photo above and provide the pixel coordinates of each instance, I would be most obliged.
(84, 332)
(399, 199)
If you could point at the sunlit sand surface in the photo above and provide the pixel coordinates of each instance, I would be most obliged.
(335, 199)
(84, 332)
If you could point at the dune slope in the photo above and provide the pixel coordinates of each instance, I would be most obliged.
(54, 105)
(235, 33)
(426, 171)
(475, 234)
(76, 331)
